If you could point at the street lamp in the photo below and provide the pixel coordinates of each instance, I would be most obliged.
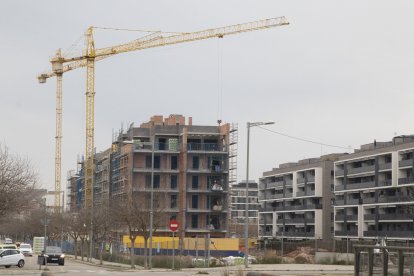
(246, 221)
(152, 201)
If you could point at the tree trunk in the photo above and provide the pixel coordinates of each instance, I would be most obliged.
(76, 248)
(101, 254)
(132, 252)
(82, 244)
(146, 253)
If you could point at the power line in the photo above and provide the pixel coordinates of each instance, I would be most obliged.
(306, 140)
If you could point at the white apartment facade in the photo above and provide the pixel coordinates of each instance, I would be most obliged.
(296, 200)
(374, 191)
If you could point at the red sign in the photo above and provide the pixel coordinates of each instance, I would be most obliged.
(173, 225)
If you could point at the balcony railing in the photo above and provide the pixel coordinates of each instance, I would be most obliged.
(362, 185)
(384, 166)
(300, 234)
(348, 217)
(349, 233)
(274, 184)
(361, 169)
(299, 207)
(339, 173)
(406, 180)
(394, 199)
(389, 217)
(339, 187)
(300, 193)
(389, 234)
(353, 201)
(339, 202)
(296, 220)
(205, 147)
(405, 163)
(267, 233)
(368, 200)
(267, 209)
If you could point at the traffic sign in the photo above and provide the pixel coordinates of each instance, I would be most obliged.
(173, 225)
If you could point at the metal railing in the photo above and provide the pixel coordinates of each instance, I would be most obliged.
(383, 260)
(205, 147)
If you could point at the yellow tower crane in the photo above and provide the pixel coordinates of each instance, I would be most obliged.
(62, 64)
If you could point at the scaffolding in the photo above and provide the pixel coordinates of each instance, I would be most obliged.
(233, 139)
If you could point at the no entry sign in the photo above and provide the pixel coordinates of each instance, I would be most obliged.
(173, 225)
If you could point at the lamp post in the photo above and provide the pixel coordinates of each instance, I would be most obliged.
(246, 221)
(152, 202)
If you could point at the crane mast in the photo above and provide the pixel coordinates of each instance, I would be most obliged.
(62, 64)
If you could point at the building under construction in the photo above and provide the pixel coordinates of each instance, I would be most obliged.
(191, 166)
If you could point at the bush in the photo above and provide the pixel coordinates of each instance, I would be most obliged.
(269, 258)
(301, 260)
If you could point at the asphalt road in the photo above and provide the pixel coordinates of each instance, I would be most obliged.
(77, 268)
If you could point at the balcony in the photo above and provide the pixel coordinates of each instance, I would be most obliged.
(278, 184)
(361, 185)
(384, 166)
(405, 163)
(339, 187)
(274, 196)
(267, 209)
(339, 202)
(299, 207)
(297, 220)
(212, 169)
(339, 173)
(394, 199)
(205, 147)
(342, 217)
(198, 210)
(267, 234)
(368, 200)
(361, 169)
(389, 234)
(353, 201)
(391, 217)
(349, 233)
(406, 180)
(300, 193)
(299, 234)
(300, 180)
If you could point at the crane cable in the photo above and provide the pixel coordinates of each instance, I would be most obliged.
(219, 80)
(306, 140)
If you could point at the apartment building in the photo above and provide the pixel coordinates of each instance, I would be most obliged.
(296, 200)
(238, 207)
(188, 164)
(374, 191)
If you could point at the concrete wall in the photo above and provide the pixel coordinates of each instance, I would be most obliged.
(334, 258)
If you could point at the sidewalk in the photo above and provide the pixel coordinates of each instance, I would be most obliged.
(277, 269)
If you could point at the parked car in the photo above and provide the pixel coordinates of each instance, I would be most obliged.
(26, 249)
(8, 246)
(9, 257)
(8, 240)
(54, 254)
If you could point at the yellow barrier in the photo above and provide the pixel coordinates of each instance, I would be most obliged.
(221, 244)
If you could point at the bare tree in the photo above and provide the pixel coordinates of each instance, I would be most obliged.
(103, 223)
(134, 213)
(17, 179)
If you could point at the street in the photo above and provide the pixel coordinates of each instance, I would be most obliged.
(78, 268)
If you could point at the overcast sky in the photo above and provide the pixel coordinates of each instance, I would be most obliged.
(341, 73)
